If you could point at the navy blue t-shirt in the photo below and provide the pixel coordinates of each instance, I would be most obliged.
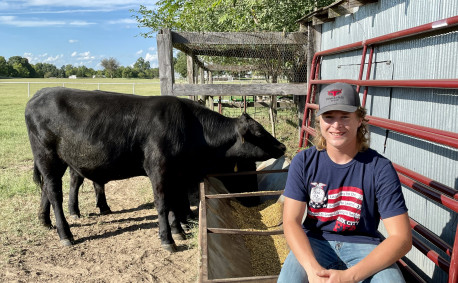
(345, 202)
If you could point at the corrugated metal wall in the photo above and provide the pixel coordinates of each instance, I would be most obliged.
(432, 57)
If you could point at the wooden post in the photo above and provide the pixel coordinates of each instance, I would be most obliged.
(202, 81)
(273, 113)
(190, 69)
(165, 56)
(273, 106)
(210, 81)
(190, 72)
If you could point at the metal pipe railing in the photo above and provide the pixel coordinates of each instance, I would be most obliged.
(429, 193)
(427, 181)
(430, 236)
(439, 83)
(423, 134)
(429, 27)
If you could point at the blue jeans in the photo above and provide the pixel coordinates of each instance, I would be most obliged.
(340, 256)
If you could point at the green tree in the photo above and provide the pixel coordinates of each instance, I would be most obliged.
(110, 65)
(45, 70)
(128, 72)
(154, 72)
(142, 65)
(84, 72)
(20, 67)
(180, 64)
(225, 15)
(3, 67)
(228, 16)
(70, 70)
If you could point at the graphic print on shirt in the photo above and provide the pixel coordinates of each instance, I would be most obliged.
(343, 206)
(317, 195)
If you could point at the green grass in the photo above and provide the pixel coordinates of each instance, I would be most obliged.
(19, 196)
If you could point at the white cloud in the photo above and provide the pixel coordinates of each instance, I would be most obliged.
(53, 59)
(152, 48)
(139, 52)
(29, 56)
(82, 3)
(85, 56)
(123, 21)
(14, 21)
(80, 23)
(20, 22)
(74, 54)
(72, 40)
(42, 58)
(151, 57)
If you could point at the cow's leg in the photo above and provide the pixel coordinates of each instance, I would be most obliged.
(163, 208)
(75, 183)
(53, 189)
(155, 168)
(101, 198)
(179, 207)
(183, 210)
(52, 170)
(44, 210)
(175, 226)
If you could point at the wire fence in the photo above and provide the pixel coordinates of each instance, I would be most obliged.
(73, 84)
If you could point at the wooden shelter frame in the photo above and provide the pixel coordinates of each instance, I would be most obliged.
(188, 42)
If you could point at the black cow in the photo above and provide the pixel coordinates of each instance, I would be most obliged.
(110, 136)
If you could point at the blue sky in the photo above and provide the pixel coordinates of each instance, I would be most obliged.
(80, 32)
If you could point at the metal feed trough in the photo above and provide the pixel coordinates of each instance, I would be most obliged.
(224, 255)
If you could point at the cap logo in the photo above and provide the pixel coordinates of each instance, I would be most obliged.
(334, 92)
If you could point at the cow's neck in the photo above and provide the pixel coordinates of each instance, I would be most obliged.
(219, 131)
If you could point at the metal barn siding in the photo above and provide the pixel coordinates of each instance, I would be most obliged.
(434, 56)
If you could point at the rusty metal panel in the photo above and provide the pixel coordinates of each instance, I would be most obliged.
(434, 56)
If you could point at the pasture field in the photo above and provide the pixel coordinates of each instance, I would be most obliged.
(22, 239)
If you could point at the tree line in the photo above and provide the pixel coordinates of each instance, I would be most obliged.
(19, 67)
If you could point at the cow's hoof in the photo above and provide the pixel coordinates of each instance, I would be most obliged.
(169, 247)
(66, 242)
(179, 236)
(105, 212)
(46, 225)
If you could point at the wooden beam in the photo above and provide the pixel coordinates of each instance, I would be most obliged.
(258, 38)
(245, 231)
(338, 8)
(240, 89)
(358, 3)
(337, 11)
(238, 52)
(165, 57)
(232, 68)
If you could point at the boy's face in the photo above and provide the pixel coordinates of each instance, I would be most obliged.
(340, 129)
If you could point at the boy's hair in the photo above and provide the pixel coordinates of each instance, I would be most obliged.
(362, 136)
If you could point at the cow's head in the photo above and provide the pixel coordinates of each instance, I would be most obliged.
(254, 142)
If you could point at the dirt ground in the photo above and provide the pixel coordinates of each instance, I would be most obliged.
(120, 247)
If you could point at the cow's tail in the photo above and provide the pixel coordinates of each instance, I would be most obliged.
(37, 177)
